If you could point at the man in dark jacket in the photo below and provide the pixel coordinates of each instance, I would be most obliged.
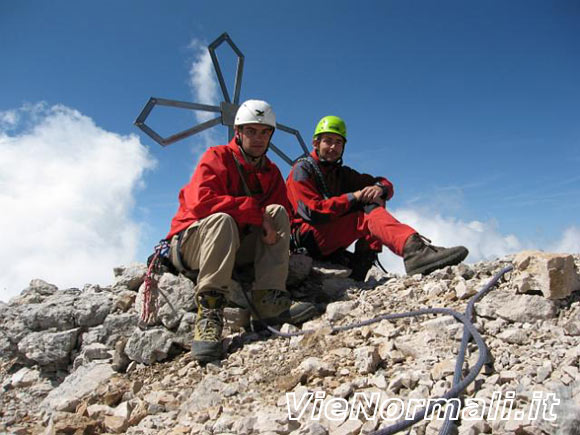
(234, 211)
(335, 205)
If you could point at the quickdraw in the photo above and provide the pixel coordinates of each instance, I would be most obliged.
(149, 308)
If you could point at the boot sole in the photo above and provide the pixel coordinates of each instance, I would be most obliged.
(306, 315)
(451, 260)
(206, 352)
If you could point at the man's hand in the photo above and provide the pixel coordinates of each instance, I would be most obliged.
(369, 195)
(269, 234)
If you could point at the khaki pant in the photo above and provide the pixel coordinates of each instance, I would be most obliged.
(213, 247)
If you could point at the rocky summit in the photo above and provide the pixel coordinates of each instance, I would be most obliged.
(80, 361)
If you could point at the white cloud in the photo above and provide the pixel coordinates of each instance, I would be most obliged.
(202, 80)
(204, 87)
(8, 119)
(569, 243)
(483, 239)
(66, 194)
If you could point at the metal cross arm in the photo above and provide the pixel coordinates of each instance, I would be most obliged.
(140, 121)
(226, 110)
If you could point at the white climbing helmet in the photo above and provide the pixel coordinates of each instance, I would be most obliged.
(255, 112)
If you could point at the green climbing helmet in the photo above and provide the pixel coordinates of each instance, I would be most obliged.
(331, 124)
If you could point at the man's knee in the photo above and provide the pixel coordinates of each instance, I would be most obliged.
(221, 222)
(214, 229)
(279, 214)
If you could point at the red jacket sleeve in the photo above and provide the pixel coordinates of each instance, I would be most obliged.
(357, 181)
(308, 203)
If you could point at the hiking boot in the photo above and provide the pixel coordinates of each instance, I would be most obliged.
(421, 257)
(275, 306)
(362, 264)
(363, 259)
(207, 335)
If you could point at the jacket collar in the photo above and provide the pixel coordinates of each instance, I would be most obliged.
(266, 163)
(322, 164)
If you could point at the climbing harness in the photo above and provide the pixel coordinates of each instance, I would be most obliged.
(311, 163)
(242, 173)
(469, 331)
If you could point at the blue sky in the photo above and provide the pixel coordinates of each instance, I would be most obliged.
(470, 108)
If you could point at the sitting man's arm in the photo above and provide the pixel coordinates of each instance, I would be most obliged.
(309, 202)
(368, 189)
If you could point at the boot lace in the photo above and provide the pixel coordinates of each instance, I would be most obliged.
(210, 323)
(427, 242)
(276, 297)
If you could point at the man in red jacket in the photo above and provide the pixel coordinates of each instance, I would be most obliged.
(234, 211)
(335, 205)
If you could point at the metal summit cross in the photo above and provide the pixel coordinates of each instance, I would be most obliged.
(227, 109)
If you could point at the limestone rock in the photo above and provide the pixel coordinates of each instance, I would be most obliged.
(338, 310)
(64, 311)
(24, 377)
(83, 381)
(553, 274)
(366, 359)
(36, 292)
(272, 420)
(443, 369)
(330, 270)
(462, 289)
(299, 268)
(149, 346)
(130, 276)
(516, 308)
(72, 423)
(533, 341)
(315, 367)
(312, 428)
(514, 336)
(49, 348)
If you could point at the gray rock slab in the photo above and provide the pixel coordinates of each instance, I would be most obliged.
(516, 308)
(48, 348)
(298, 269)
(338, 310)
(130, 276)
(553, 274)
(79, 383)
(149, 346)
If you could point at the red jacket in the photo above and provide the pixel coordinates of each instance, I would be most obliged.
(308, 201)
(216, 186)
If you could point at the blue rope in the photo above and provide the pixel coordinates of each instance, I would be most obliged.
(468, 332)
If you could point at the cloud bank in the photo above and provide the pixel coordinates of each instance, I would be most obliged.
(569, 243)
(483, 239)
(66, 193)
(202, 79)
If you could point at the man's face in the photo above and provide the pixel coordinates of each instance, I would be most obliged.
(255, 138)
(329, 146)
